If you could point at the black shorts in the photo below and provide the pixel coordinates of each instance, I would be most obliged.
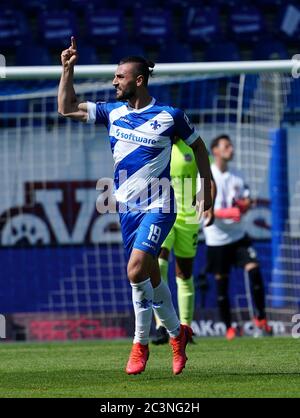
(221, 258)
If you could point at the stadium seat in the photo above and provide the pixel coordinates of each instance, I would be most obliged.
(105, 26)
(87, 54)
(32, 55)
(268, 49)
(56, 28)
(250, 86)
(83, 6)
(222, 51)
(183, 4)
(33, 6)
(124, 50)
(288, 21)
(201, 24)
(293, 98)
(152, 27)
(228, 3)
(137, 4)
(175, 52)
(266, 4)
(161, 94)
(245, 23)
(13, 28)
(197, 94)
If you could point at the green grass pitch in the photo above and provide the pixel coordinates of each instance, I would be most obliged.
(245, 367)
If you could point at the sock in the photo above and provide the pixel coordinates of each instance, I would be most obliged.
(142, 299)
(223, 301)
(164, 309)
(258, 291)
(163, 267)
(186, 299)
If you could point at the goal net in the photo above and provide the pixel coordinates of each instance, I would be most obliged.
(63, 264)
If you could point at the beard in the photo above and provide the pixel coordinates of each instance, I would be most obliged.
(126, 94)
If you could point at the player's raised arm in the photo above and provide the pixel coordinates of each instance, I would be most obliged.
(68, 104)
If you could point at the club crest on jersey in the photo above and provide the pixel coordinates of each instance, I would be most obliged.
(155, 125)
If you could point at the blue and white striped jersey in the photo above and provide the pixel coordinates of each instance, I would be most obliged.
(141, 141)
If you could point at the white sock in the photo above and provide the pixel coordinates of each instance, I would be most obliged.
(164, 309)
(142, 299)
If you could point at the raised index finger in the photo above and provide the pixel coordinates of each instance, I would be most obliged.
(73, 42)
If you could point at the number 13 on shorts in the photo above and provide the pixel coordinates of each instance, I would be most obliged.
(154, 233)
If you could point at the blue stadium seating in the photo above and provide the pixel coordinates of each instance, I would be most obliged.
(152, 27)
(124, 50)
(288, 21)
(13, 28)
(293, 99)
(87, 54)
(196, 29)
(33, 6)
(163, 95)
(246, 23)
(137, 4)
(183, 4)
(268, 49)
(201, 24)
(197, 94)
(175, 52)
(29, 54)
(250, 86)
(222, 51)
(268, 3)
(83, 6)
(228, 3)
(56, 28)
(105, 26)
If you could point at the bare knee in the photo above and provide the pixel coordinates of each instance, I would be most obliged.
(140, 266)
(135, 271)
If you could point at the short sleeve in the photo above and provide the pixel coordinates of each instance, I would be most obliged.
(97, 112)
(183, 127)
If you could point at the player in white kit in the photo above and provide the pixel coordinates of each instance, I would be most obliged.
(227, 241)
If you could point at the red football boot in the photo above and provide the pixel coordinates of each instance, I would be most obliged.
(263, 325)
(230, 333)
(178, 346)
(137, 359)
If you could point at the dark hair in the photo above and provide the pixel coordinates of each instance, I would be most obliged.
(143, 67)
(215, 142)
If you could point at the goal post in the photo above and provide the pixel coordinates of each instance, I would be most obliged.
(161, 69)
(64, 268)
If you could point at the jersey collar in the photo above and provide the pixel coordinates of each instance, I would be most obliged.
(131, 109)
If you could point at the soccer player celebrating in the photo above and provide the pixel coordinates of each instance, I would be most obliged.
(227, 241)
(140, 131)
(183, 237)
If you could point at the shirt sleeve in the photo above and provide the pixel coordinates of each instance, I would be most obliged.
(97, 112)
(183, 127)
